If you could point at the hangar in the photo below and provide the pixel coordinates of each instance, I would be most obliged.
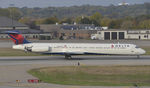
(118, 34)
(112, 34)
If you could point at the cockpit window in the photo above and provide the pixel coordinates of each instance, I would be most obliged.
(136, 47)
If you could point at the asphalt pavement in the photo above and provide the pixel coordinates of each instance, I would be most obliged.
(15, 68)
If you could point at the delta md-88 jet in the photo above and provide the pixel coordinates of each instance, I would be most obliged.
(69, 49)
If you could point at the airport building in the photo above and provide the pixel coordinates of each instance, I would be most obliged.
(70, 31)
(86, 31)
(7, 24)
(116, 34)
(138, 34)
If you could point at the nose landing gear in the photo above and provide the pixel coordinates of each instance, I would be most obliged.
(67, 56)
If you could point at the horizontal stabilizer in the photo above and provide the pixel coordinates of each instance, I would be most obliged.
(12, 32)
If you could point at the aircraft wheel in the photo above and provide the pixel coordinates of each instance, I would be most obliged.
(68, 57)
(138, 56)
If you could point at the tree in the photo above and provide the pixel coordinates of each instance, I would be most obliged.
(127, 25)
(4, 12)
(114, 15)
(78, 19)
(51, 20)
(15, 13)
(144, 24)
(39, 21)
(66, 20)
(24, 20)
(115, 24)
(96, 18)
(28, 21)
(105, 22)
(85, 20)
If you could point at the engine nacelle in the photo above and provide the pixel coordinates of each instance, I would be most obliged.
(20, 47)
(40, 49)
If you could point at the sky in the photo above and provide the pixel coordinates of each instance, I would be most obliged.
(60, 3)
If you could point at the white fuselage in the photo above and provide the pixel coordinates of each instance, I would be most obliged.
(81, 48)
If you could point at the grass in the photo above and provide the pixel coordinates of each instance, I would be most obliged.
(147, 49)
(13, 52)
(94, 75)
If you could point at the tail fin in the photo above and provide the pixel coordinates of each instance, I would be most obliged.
(17, 37)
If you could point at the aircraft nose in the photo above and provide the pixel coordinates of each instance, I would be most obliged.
(142, 51)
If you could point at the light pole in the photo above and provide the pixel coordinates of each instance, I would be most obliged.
(12, 15)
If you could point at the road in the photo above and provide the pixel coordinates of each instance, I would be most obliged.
(14, 68)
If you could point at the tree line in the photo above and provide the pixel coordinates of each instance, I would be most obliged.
(74, 11)
(139, 22)
(114, 17)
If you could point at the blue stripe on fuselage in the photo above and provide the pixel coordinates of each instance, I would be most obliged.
(14, 39)
(85, 53)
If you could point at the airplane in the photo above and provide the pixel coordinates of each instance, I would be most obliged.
(69, 49)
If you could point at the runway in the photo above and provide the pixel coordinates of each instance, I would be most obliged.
(82, 57)
(15, 68)
(88, 60)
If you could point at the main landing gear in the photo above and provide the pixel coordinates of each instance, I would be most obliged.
(67, 56)
(138, 56)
